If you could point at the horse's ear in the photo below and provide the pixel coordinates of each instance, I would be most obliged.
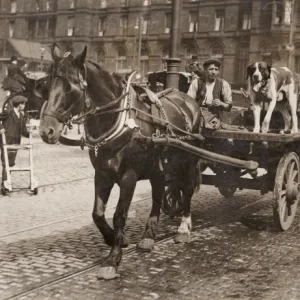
(80, 59)
(55, 52)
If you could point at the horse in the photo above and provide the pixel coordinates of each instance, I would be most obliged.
(116, 121)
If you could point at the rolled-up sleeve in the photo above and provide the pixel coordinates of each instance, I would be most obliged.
(192, 92)
(227, 94)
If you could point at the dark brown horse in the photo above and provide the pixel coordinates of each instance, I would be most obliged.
(115, 133)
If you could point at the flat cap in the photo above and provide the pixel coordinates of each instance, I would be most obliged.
(212, 60)
(19, 99)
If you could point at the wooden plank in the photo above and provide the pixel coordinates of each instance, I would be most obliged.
(251, 136)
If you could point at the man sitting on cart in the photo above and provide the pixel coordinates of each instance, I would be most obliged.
(213, 94)
(14, 127)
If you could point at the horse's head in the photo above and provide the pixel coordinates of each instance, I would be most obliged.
(66, 94)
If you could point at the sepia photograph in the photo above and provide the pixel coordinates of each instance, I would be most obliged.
(149, 149)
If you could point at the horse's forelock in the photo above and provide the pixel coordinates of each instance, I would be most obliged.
(65, 68)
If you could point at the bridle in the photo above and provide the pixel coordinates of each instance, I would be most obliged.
(81, 94)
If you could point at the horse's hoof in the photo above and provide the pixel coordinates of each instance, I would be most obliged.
(181, 238)
(107, 273)
(124, 241)
(146, 245)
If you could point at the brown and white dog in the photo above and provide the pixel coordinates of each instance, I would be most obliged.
(277, 85)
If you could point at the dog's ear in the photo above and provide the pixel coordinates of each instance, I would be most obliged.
(249, 71)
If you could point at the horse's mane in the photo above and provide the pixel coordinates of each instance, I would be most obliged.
(113, 81)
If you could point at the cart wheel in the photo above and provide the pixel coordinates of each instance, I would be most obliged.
(4, 191)
(286, 191)
(227, 191)
(35, 191)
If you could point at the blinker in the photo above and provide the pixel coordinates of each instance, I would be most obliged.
(82, 82)
(88, 102)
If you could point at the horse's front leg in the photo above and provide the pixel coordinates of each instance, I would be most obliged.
(147, 241)
(189, 186)
(108, 269)
(103, 187)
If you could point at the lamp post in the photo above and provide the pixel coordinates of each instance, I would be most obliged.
(136, 28)
(173, 62)
(42, 50)
(140, 43)
(5, 32)
(291, 35)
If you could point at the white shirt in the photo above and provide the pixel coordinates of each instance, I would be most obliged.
(226, 91)
(17, 112)
(209, 93)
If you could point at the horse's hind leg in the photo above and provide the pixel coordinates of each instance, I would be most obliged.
(103, 187)
(189, 186)
(147, 241)
(108, 269)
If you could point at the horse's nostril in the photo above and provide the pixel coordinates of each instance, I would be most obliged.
(51, 131)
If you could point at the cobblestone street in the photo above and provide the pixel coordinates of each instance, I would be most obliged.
(50, 248)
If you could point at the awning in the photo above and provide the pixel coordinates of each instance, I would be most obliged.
(30, 50)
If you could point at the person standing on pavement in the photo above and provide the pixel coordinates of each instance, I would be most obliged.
(14, 127)
(211, 92)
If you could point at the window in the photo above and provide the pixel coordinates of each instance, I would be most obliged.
(121, 59)
(48, 5)
(101, 22)
(71, 26)
(32, 25)
(103, 3)
(51, 27)
(145, 24)
(246, 21)
(13, 6)
(167, 22)
(37, 5)
(123, 25)
(193, 22)
(51, 5)
(41, 28)
(72, 3)
(144, 60)
(11, 28)
(242, 62)
(278, 13)
(147, 2)
(219, 20)
(288, 12)
(100, 56)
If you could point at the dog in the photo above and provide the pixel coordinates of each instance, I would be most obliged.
(280, 86)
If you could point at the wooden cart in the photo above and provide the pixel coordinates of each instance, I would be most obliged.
(276, 153)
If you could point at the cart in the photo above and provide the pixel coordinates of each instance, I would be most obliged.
(7, 185)
(278, 154)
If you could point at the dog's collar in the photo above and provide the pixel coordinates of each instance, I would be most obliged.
(260, 87)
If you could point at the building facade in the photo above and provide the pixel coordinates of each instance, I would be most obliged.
(119, 32)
